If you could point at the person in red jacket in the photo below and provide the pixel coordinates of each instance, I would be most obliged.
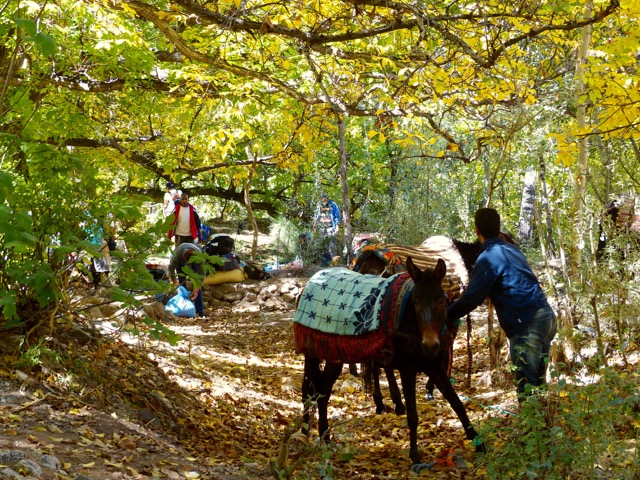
(186, 221)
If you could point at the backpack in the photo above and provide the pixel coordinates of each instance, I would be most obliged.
(255, 271)
(219, 244)
(205, 231)
(231, 262)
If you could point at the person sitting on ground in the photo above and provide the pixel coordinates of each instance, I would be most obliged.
(502, 273)
(186, 221)
(179, 260)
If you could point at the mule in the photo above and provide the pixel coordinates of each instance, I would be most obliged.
(406, 341)
(460, 257)
(620, 219)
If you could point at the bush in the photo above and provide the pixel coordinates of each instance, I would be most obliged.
(587, 431)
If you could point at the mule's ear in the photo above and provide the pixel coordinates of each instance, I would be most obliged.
(440, 270)
(414, 272)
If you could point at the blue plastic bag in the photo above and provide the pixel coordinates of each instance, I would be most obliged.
(180, 304)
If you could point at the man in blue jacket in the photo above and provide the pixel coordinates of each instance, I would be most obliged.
(503, 274)
(327, 220)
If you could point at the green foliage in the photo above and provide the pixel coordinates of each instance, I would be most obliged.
(38, 354)
(285, 235)
(576, 431)
(43, 41)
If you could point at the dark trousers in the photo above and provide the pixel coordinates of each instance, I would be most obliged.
(179, 239)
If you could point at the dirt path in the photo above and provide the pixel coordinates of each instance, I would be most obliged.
(217, 405)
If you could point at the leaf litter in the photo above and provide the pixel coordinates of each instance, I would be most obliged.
(220, 404)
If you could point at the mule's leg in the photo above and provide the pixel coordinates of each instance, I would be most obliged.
(446, 358)
(310, 385)
(441, 380)
(329, 376)
(394, 391)
(408, 378)
(377, 393)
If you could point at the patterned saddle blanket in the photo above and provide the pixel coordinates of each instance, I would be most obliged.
(373, 325)
(342, 302)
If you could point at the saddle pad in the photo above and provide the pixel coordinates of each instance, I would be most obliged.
(342, 302)
(375, 345)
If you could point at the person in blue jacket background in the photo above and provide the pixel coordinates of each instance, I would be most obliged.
(503, 274)
(327, 221)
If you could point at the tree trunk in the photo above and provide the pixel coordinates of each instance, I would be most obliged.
(582, 168)
(393, 185)
(247, 203)
(526, 232)
(346, 211)
(546, 233)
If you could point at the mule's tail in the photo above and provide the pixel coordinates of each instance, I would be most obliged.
(367, 377)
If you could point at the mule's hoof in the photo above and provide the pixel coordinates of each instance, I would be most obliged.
(419, 467)
(481, 448)
(400, 410)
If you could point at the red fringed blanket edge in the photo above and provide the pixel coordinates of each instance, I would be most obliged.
(376, 345)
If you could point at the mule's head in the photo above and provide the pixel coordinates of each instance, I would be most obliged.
(430, 304)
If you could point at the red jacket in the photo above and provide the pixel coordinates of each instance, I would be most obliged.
(192, 221)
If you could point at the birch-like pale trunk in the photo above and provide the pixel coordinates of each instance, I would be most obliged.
(526, 232)
(582, 168)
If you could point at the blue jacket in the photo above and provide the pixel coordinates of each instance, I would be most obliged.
(502, 274)
(326, 212)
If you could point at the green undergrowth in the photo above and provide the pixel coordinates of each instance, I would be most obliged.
(575, 431)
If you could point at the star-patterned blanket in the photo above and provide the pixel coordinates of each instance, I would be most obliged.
(342, 302)
(376, 319)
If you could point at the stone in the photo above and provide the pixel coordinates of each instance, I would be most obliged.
(149, 418)
(227, 288)
(217, 303)
(154, 310)
(289, 298)
(110, 309)
(233, 297)
(10, 456)
(218, 294)
(29, 466)
(95, 313)
(9, 474)
(50, 461)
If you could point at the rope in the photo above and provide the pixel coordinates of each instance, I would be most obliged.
(469, 353)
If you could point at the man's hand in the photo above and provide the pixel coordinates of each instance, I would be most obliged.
(194, 294)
